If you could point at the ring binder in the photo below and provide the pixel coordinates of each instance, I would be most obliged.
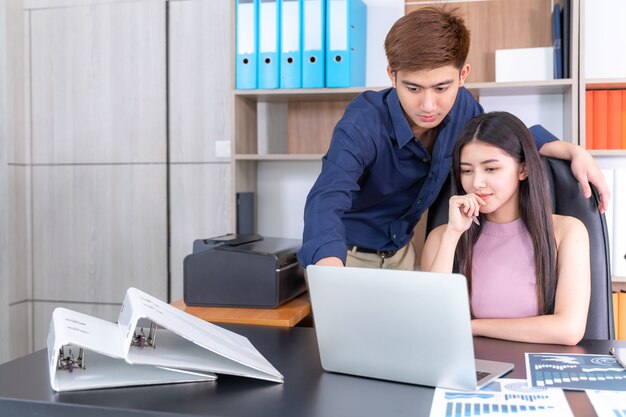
(141, 340)
(125, 353)
(67, 360)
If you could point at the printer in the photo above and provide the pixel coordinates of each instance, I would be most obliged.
(242, 271)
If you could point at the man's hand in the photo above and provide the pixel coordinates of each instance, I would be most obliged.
(584, 168)
(333, 261)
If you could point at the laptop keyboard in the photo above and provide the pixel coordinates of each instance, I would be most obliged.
(480, 375)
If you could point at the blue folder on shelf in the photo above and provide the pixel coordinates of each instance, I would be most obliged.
(556, 42)
(246, 44)
(346, 43)
(290, 44)
(313, 35)
(268, 32)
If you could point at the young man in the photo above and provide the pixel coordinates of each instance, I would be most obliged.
(391, 151)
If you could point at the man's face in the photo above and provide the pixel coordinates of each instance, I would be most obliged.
(427, 96)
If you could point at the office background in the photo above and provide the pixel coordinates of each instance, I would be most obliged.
(121, 140)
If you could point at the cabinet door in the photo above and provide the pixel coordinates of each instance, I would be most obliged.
(199, 104)
(98, 144)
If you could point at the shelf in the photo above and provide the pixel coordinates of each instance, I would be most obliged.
(279, 157)
(607, 152)
(521, 87)
(303, 94)
(606, 84)
(481, 89)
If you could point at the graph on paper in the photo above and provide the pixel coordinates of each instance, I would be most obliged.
(504, 397)
(575, 371)
(608, 403)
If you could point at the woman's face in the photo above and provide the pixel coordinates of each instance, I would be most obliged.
(494, 176)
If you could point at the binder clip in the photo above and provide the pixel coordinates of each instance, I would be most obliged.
(67, 361)
(140, 339)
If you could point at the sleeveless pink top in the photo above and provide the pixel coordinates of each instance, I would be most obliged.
(503, 272)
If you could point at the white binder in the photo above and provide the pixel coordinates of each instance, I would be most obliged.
(86, 352)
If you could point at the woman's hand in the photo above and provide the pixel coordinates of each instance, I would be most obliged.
(462, 210)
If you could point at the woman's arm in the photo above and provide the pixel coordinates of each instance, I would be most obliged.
(567, 325)
(439, 248)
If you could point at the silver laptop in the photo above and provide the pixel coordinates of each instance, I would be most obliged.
(403, 326)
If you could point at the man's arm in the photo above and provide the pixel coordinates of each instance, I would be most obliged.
(324, 240)
(584, 168)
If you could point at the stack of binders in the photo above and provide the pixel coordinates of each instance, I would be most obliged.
(300, 43)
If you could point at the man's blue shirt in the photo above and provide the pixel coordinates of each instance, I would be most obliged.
(376, 179)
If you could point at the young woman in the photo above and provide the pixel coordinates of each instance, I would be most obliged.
(528, 270)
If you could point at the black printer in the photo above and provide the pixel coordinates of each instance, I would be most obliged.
(242, 271)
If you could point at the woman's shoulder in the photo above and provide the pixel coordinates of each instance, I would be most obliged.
(568, 227)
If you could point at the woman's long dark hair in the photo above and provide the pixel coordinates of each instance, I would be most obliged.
(507, 132)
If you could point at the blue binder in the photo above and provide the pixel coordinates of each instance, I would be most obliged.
(556, 41)
(246, 44)
(346, 43)
(290, 44)
(313, 41)
(268, 34)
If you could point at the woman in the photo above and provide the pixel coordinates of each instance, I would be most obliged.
(528, 270)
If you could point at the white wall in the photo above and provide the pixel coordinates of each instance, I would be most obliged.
(605, 39)
(4, 284)
(282, 188)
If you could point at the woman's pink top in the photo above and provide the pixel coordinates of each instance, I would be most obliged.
(503, 272)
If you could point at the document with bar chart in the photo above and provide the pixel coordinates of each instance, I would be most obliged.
(608, 403)
(505, 396)
(575, 371)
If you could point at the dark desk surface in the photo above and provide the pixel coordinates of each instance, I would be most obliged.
(307, 391)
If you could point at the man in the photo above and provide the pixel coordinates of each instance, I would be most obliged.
(391, 151)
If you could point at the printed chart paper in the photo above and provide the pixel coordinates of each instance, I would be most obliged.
(575, 371)
(608, 403)
(502, 397)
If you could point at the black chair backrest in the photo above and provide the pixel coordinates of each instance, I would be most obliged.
(567, 199)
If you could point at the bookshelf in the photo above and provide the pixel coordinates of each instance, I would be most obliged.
(283, 129)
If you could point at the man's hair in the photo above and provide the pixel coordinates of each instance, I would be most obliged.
(427, 38)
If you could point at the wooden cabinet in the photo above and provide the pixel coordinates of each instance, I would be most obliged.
(200, 74)
(91, 169)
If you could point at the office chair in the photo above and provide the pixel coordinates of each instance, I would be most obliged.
(567, 199)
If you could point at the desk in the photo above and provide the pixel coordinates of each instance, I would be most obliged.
(308, 391)
(287, 315)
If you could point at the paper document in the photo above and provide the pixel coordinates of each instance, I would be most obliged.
(575, 371)
(504, 396)
(86, 352)
(608, 403)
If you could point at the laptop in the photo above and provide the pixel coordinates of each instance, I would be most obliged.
(404, 326)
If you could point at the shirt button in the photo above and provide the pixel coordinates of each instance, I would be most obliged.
(394, 236)
(424, 159)
(430, 174)
(419, 201)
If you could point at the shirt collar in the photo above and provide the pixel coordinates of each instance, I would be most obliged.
(401, 126)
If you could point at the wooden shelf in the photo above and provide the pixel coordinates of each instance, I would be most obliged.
(521, 87)
(606, 84)
(303, 94)
(481, 88)
(278, 157)
(607, 152)
(287, 315)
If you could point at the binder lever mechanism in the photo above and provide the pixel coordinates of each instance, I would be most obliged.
(140, 339)
(68, 361)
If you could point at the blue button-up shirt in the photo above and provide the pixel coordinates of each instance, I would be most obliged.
(376, 179)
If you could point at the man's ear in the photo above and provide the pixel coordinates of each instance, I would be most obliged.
(523, 171)
(392, 76)
(465, 70)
